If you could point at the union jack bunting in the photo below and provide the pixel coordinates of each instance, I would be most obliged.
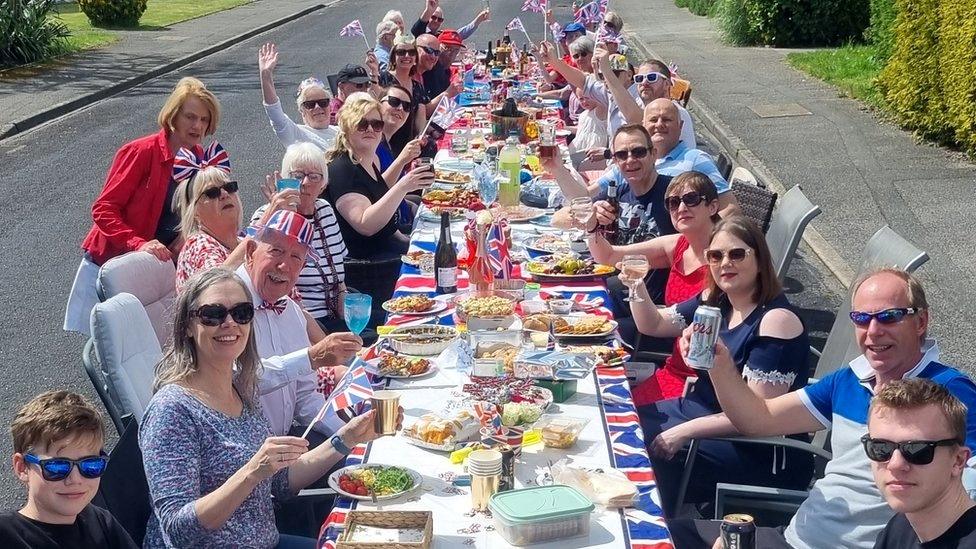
(498, 252)
(354, 28)
(446, 113)
(589, 13)
(353, 389)
(535, 6)
(187, 163)
(515, 24)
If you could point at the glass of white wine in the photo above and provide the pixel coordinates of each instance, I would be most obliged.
(581, 209)
(635, 268)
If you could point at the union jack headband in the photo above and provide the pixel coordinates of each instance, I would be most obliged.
(187, 164)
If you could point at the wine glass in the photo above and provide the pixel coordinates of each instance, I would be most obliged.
(635, 267)
(356, 311)
(488, 188)
(581, 209)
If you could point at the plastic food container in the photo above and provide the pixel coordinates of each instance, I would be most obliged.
(560, 431)
(541, 513)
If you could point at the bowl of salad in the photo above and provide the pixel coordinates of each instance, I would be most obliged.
(364, 481)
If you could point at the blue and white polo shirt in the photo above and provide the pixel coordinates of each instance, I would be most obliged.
(845, 508)
(683, 158)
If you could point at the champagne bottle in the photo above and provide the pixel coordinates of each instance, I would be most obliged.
(610, 229)
(445, 259)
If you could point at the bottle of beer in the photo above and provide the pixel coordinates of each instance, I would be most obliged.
(445, 259)
(610, 229)
(489, 57)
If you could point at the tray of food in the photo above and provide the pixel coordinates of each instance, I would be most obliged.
(403, 366)
(585, 326)
(387, 530)
(567, 267)
(507, 389)
(603, 353)
(500, 353)
(549, 244)
(452, 177)
(364, 481)
(435, 432)
(454, 165)
(413, 258)
(451, 198)
(424, 340)
(484, 305)
(518, 214)
(417, 304)
(433, 213)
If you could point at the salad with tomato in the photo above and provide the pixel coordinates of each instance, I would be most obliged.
(381, 480)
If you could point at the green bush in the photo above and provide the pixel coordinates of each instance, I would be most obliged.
(698, 7)
(793, 22)
(113, 13)
(929, 80)
(881, 31)
(27, 34)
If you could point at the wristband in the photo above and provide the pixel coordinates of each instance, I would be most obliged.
(340, 445)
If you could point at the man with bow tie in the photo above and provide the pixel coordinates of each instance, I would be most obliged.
(274, 257)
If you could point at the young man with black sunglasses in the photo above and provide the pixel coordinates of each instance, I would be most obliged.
(916, 444)
(59, 455)
(844, 508)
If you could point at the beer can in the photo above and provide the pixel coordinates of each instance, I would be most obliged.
(704, 334)
(507, 481)
(738, 531)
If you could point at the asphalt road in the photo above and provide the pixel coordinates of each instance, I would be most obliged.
(51, 175)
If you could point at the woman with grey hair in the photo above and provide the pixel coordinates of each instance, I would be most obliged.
(386, 30)
(322, 283)
(397, 18)
(211, 461)
(313, 100)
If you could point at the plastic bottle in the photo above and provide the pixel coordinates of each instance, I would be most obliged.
(510, 164)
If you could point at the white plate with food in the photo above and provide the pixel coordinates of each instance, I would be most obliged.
(443, 434)
(423, 340)
(567, 267)
(454, 165)
(520, 214)
(414, 305)
(413, 258)
(583, 326)
(403, 366)
(385, 481)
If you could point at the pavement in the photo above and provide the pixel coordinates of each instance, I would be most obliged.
(53, 171)
(863, 171)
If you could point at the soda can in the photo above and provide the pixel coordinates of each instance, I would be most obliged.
(738, 531)
(507, 481)
(704, 334)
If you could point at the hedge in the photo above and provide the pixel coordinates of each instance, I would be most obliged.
(698, 7)
(929, 80)
(881, 31)
(794, 22)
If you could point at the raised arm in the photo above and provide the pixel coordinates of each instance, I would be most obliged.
(659, 251)
(469, 29)
(267, 61)
(410, 151)
(650, 319)
(368, 218)
(573, 76)
(631, 112)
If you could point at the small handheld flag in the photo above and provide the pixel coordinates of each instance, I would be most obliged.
(354, 28)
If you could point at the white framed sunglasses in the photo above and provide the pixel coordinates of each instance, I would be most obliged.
(651, 77)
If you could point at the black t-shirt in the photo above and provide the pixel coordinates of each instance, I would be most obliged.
(641, 217)
(168, 227)
(94, 527)
(437, 79)
(899, 534)
(345, 177)
(419, 96)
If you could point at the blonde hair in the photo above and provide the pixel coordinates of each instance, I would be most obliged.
(186, 88)
(194, 186)
(352, 112)
(180, 361)
(55, 416)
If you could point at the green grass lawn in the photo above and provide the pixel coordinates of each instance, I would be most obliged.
(851, 68)
(159, 13)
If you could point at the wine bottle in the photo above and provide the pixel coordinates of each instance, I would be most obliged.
(610, 229)
(489, 57)
(445, 259)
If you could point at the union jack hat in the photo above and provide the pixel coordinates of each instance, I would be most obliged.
(292, 225)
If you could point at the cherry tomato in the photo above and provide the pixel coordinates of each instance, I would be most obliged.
(361, 491)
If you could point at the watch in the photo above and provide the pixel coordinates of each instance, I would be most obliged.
(340, 445)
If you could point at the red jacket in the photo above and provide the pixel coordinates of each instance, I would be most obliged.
(127, 210)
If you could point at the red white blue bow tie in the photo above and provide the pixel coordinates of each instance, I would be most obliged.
(278, 306)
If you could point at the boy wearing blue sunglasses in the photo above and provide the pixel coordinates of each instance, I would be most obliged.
(58, 454)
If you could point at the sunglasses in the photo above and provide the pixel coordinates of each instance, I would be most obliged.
(430, 50)
(398, 103)
(580, 55)
(651, 77)
(636, 152)
(214, 315)
(364, 124)
(916, 452)
(735, 255)
(436, 18)
(214, 192)
(610, 26)
(313, 177)
(404, 53)
(312, 103)
(689, 199)
(887, 316)
(54, 469)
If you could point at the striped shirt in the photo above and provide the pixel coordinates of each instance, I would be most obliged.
(683, 159)
(311, 285)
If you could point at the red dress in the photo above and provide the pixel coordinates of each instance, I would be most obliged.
(669, 380)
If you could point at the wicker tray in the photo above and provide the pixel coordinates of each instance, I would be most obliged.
(388, 519)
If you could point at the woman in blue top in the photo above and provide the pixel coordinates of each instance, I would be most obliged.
(211, 461)
(769, 345)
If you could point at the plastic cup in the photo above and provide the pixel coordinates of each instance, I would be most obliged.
(387, 406)
(288, 183)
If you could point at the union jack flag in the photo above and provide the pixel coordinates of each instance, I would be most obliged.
(446, 113)
(589, 13)
(188, 162)
(516, 25)
(535, 6)
(557, 30)
(353, 389)
(354, 28)
(498, 251)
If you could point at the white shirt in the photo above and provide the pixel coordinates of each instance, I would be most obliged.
(591, 133)
(288, 387)
(597, 91)
(289, 132)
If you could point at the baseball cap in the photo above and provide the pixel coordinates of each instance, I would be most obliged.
(353, 73)
(574, 27)
(450, 37)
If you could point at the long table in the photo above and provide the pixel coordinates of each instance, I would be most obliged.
(613, 437)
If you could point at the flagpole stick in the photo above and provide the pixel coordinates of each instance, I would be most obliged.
(429, 120)
(318, 417)
(367, 42)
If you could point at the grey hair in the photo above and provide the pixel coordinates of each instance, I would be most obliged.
(582, 45)
(203, 179)
(180, 360)
(304, 93)
(304, 153)
(385, 26)
(393, 14)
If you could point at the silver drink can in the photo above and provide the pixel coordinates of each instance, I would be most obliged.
(704, 334)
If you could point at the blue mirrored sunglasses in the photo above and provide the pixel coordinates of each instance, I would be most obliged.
(54, 469)
(887, 316)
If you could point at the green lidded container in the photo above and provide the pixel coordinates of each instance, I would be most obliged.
(561, 389)
(541, 513)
